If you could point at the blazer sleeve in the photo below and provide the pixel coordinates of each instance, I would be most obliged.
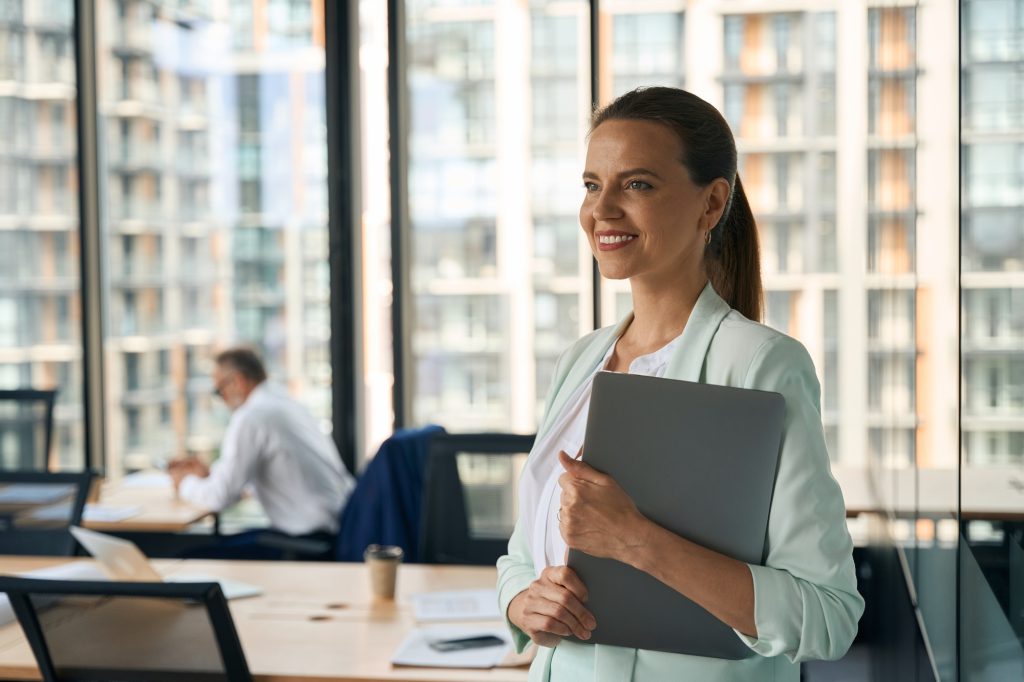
(806, 603)
(515, 569)
(515, 573)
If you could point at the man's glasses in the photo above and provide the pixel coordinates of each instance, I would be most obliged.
(218, 388)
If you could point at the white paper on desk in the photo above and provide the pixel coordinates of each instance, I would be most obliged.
(35, 493)
(93, 512)
(415, 648)
(79, 571)
(434, 607)
(109, 513)
(146, 479)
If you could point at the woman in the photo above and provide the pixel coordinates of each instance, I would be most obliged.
(664, 208)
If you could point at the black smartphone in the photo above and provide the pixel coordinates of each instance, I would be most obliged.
(478, 642)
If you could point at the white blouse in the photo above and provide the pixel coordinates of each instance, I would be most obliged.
(540, 493)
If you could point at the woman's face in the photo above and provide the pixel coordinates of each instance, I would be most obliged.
(643, 215)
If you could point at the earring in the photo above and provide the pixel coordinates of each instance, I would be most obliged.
(707, 237)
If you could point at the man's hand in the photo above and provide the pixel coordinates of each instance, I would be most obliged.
(178, 469)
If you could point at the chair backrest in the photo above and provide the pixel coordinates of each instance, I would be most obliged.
(147, 632)
(469, 500)
(38, 508)
(26, 429)
(386, 504)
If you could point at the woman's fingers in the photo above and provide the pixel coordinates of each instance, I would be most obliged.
(567, 578)
(569, 609)
(555, 615)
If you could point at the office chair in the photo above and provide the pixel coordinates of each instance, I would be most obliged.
(145, 632)
(447, 536)
(385, 507)
(37, 508)
(26, 429)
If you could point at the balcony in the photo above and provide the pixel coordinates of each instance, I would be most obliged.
(994, 189)
(994, 117)
(250, 295)
(50, 71)
(123, 210)
(193, 163)
(53, 16)
(134, 157)
(136, 272)
(130, 324)
(1005, 45)
(136, 97)
(133, 40)
(156, 391)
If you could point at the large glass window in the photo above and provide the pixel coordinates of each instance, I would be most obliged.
(215, 173)
(40, 305)
(493, 241)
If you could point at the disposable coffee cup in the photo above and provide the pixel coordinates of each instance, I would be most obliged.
(382, 562)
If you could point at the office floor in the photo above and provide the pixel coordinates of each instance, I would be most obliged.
(853, 667)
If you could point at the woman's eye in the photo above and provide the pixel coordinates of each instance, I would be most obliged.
(590, 186)
(638, 184)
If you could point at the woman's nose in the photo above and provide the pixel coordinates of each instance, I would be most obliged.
(606, 206)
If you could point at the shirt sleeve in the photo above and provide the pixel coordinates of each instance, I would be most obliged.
(233, 470)
(806, 603)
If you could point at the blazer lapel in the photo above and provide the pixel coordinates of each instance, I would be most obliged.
(688, 359)
(584, 365)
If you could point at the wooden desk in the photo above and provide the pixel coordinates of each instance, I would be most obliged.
(315, 621)
(161, 511)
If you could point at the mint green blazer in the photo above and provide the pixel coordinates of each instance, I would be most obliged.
(806, 604)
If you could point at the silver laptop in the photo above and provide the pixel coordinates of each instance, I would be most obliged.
(700, 460)
(123, 560)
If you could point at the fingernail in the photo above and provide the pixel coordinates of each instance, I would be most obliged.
(585, 635)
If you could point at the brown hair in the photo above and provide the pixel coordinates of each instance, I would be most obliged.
(243, 360)
(732, 258)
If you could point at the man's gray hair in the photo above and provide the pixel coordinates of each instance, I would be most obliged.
(244, 360)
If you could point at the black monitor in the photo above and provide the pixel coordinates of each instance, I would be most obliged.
(144, 632)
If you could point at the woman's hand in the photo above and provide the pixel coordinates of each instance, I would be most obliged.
(596, 514)
(552, 607)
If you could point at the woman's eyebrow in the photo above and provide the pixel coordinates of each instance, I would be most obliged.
(589, 175)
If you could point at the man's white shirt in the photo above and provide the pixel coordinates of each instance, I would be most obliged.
(274, 446)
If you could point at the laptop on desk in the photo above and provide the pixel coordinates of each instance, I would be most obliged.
(123, 560)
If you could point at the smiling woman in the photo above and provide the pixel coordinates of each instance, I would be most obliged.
(664, 209)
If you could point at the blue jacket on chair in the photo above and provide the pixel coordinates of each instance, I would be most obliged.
(385, 506)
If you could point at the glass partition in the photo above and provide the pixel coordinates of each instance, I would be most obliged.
(991, 342)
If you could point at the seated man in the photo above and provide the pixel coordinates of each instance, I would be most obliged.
(274, 446)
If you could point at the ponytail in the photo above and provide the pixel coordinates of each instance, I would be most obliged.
(733, 259)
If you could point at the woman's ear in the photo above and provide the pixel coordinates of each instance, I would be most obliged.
(715, 201)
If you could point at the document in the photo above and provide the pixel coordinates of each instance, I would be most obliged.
(433, 607)
(146, 479)
(415, 649)
(77, 571)
(35, 493)
(108, 513)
